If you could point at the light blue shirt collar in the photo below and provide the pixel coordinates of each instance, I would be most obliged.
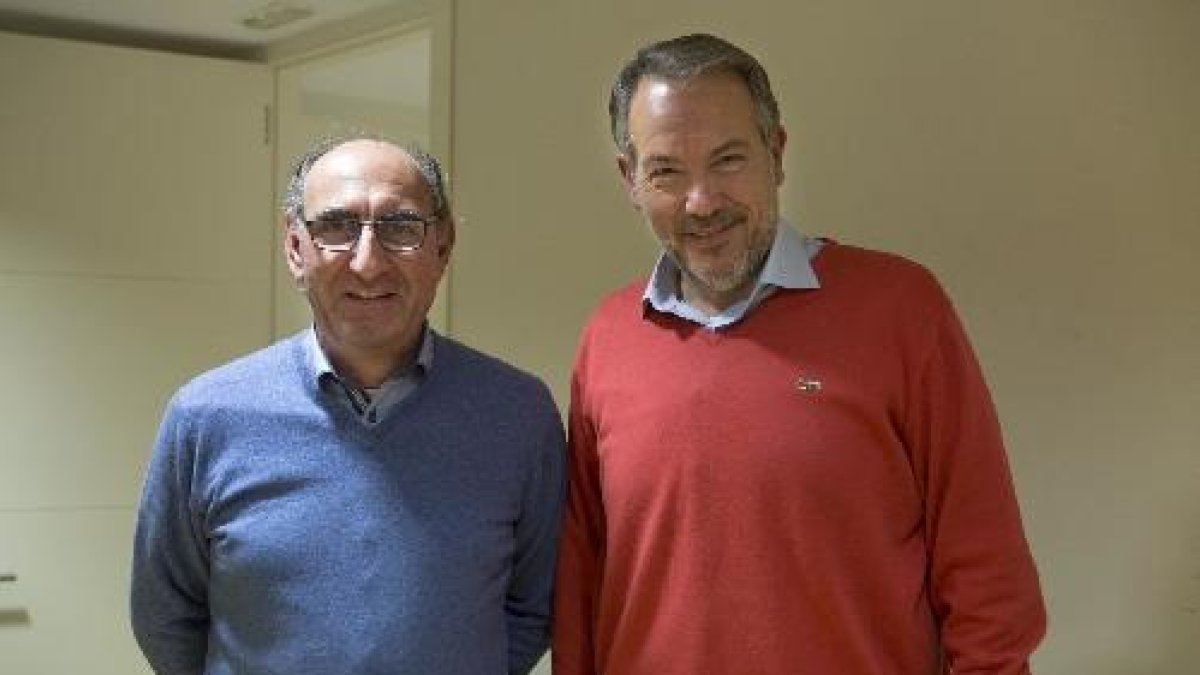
(321, 364)
(788, 265)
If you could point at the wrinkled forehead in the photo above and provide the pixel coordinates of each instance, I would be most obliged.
(365, 176)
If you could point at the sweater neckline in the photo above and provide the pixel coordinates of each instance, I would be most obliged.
(347, 420)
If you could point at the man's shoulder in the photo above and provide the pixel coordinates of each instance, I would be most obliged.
(258, 375)
(836, 254)
(627, 301)
(618, 322)
(882, 272)
(482, 367)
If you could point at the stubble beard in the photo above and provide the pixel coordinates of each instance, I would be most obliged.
(746, 268)
(716, 282)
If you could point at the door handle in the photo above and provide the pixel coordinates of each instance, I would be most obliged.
(7, 578)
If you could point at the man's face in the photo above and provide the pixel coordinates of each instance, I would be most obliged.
(367, 302)
(706, 182)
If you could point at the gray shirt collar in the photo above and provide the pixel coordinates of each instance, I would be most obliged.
(372, 405)
(321, 365)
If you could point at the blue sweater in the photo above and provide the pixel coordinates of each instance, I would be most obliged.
(281, 534)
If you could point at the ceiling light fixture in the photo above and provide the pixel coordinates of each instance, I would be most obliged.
(275, 14)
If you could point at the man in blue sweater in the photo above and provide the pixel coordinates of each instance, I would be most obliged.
(364, 497)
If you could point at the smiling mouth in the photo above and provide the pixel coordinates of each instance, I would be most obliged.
(712, 226)
(710, 232)
(370, 297)
(707, 233)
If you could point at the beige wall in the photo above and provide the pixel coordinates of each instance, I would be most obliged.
(130, 185)
(1042, 157)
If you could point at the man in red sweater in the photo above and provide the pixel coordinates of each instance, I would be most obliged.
(784, 457)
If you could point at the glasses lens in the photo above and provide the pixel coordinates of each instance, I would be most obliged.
(401, 232)
(336, 233)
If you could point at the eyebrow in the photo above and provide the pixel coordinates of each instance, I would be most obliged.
(334, 212)
(735, 144)
(659, 159)
(398, 213)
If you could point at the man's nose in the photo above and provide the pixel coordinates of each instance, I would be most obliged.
(368, 257)
(704, 197)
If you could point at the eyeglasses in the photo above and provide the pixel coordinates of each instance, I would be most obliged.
(401, 232)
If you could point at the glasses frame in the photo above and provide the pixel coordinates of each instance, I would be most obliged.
(427, 223)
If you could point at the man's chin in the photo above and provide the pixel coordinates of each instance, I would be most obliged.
(722, 290)
(728, 278)
(718, 282)
(369, 337)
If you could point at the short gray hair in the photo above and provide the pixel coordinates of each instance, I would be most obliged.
(427, 164)
(682, 59)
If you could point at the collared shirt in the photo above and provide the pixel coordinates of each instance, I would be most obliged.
(373, 404)
(788, 265)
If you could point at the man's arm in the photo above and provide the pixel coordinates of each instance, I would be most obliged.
(528, 603)
(984, 585)
(168, 599)
(581, 549)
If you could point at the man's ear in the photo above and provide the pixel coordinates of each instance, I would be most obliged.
(777, 145)
(445, 240)
(292, 253)
(627, 167)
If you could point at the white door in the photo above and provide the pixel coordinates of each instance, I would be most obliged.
(135, 251)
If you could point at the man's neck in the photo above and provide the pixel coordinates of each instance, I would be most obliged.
(369, 368)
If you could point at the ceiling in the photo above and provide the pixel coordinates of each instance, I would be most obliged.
(210, 27)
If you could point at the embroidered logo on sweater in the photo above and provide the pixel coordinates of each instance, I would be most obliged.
(808, 385)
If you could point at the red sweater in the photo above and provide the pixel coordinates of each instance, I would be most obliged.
(820, 488)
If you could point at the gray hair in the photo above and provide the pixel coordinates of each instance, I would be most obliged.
(682, 59)
(427, 164)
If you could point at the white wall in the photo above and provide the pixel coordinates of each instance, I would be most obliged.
(1042, 157)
